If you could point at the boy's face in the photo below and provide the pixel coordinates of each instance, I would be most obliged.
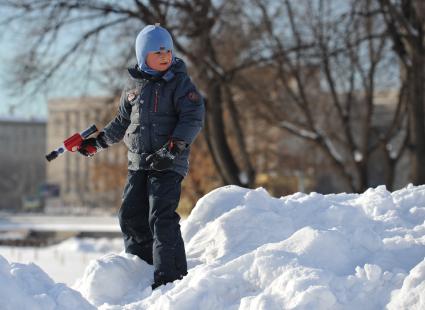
(159, 61)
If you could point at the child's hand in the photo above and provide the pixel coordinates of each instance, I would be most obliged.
(163, 159)
(91, 146)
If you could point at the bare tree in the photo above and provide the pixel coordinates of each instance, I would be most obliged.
(326, 91)
(197, 28)
(405, 20)
(316, 64)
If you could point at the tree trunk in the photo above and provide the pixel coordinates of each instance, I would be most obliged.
(413, 11)
(416, 93)
(217, 137)
(249, 179)
(406, 27)
(362, 168)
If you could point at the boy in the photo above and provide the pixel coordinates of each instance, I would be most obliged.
(159, 116)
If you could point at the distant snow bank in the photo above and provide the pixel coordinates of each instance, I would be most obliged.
(29, 287)
(247, 250)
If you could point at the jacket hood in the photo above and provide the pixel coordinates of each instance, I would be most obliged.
(178, 66)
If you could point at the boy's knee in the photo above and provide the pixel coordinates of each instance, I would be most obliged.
(164, 225)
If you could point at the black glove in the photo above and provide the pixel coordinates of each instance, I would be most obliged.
(163, 159)
(91, 146)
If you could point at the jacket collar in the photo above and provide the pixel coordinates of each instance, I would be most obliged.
(177, 67)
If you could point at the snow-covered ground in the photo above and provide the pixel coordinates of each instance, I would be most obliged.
(247, 250)
(64, 262)
(58, 223)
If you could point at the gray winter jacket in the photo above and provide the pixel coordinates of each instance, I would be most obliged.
(152, 110)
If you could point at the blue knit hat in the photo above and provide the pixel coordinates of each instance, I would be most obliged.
(151, 39)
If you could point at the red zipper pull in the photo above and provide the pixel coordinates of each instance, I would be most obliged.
(155, 108)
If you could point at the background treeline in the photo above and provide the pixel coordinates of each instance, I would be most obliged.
(321, 95)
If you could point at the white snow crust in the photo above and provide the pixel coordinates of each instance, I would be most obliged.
(248, 250)
(29, 287)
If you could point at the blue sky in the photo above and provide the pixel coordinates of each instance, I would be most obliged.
(25, 106)
(11, 41)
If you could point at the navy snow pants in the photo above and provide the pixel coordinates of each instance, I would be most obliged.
(149, 223)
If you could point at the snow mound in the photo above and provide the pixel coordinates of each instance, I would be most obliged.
(29, 287)
(248, 250)
(412, 293)
(113, 279)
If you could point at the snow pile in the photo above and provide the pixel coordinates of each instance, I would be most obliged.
(28, 287)
(412, 293)
(109, 279)
(247, 250)
(66, 261)
(87, 245)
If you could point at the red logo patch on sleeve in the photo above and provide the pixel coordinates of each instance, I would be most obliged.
(193, 96)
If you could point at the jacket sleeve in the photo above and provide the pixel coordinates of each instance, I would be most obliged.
(190, 108)
(116, 128)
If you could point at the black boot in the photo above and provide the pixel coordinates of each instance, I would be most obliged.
(163, 281)
(156, 284)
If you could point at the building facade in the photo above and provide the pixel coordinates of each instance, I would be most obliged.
(22, 162)
(84, 182)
